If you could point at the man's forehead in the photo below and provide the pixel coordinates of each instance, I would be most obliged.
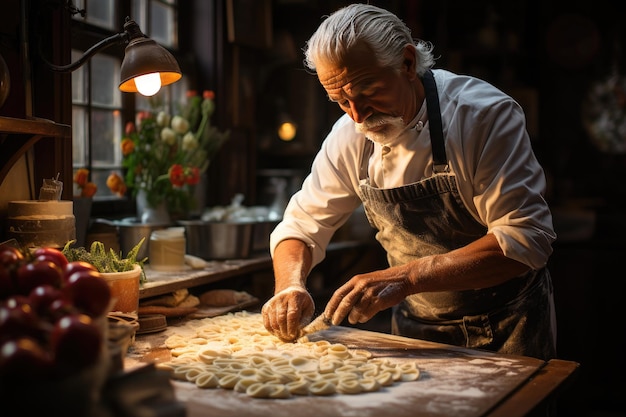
(356, 63)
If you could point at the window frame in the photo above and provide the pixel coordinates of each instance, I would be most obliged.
(84, 36)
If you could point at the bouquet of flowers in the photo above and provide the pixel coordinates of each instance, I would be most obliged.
(85, 187)
(165, 155)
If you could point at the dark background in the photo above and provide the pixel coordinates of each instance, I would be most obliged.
(546, 54)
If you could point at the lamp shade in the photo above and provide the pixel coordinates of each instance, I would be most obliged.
(145, 56)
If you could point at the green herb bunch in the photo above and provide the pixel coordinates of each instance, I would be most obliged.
(106, 261)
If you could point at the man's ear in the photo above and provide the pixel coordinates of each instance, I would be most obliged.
(409, 65)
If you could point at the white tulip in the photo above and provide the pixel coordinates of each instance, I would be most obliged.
(189, 142)
(168, 136)
(163, 119)
(180, 124)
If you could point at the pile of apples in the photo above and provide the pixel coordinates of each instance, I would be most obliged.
(49, 311)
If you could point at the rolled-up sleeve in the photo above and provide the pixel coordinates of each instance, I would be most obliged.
(328, 196)
(507, 184)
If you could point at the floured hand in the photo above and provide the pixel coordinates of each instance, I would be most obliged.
(287, 312)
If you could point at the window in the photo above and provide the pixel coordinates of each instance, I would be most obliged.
(99, 109)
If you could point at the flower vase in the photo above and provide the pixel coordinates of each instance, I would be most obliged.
(151, 215)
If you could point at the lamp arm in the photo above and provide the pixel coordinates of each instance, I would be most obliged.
(104, 43)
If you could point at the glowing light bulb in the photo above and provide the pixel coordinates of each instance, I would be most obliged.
(148, 84)
(287, 131)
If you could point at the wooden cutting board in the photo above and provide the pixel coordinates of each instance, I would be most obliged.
(453, 382)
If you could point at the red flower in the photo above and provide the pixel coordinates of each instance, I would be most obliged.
(177, 175)
(193, 175)
(81, 177)
(130, 128)
(128, 146)
(116, 184)
(88, 190)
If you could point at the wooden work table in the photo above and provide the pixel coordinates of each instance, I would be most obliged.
(454, 381)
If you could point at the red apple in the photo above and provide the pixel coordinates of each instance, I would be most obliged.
(33, 274)
(24, 358)
(10, 256)
(60, 308)
(51, 254)
(18, 319)
(42, 297)
(89, 292)
(76, 266)
(76, 342)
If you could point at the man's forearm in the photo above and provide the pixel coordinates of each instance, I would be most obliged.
(292, 262)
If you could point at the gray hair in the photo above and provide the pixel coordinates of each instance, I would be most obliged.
(380, 29)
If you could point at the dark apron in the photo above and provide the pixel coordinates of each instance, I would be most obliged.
(428, 217)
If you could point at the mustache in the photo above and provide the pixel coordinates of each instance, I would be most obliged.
(379, 120)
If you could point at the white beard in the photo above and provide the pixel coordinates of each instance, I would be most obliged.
(394, 126)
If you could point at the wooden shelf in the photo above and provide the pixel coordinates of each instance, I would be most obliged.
(17, 136)
(162, 282)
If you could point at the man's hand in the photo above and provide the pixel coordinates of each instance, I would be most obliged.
(365, 295)
(287, 312)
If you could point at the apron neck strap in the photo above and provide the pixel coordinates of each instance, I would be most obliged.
(440, 160)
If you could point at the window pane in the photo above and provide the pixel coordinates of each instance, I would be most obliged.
(79, 82)
(101, 13)
(139, 9)
(105, 79)
(79, 136)
(163, 24)
(105, 137)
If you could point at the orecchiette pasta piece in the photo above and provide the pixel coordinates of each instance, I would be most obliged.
(346, 369)
(237, 366)
(332, 378)
(285, 374)
(280, 361)
(298, 387)
(181, 371)
(225, 362)
(279, 391)
(385, 378)
(193, 373)
(328, 365)
(322, 387)
(207, 380)
(338, 350)
(310, 376)
(356, 362)
(258, 360)
(228, 381)
(369, 384)
(243, 384)
(197, 341)
(248, 373)
(300, 362)
(211, 355)
(410, 375)
(349, 386)
(259, 390)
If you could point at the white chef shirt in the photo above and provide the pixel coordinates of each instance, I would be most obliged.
(489, 151)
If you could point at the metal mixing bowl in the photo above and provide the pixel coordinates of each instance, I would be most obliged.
(219, 240)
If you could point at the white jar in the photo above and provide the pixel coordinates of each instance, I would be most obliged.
(167, 249)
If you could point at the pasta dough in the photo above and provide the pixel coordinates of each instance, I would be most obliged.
(236, 352)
